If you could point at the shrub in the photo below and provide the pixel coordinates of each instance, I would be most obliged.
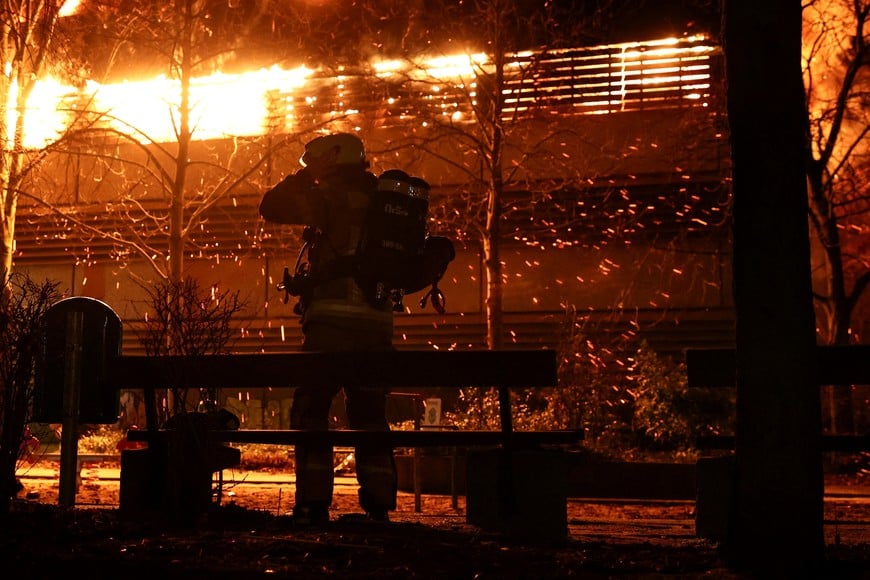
(667, 414)
(101, 439)
(278, 457)
(478, 408)
(183, 318)
(23, 306)
(629, 401)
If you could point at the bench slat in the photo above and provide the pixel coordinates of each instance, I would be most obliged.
(843, 443)
(505, 368)
(406, 368)
(351, 438)
(837, 365)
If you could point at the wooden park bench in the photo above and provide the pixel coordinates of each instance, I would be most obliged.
(77, 319)
(837, 365)
(717, 368)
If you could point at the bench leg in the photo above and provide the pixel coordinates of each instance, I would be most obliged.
(143, 481)
(715, 496)
(220, 487)
(418, 507)
(521, 493)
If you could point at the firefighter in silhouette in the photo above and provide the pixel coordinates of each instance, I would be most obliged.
(330, 196)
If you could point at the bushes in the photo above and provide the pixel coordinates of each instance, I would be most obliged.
(629, 402)
(477, 408)
(667, 414)
(101, 439)
(23, 307)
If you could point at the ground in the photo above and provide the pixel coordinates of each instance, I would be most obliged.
(249, 535)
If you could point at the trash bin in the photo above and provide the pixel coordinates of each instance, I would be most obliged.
(99, 400)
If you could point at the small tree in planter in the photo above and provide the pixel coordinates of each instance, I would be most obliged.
(183, 318)
(21, 329)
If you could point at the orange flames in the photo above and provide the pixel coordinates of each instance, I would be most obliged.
(230, 105)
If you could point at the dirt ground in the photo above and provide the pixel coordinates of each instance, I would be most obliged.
(250, 536)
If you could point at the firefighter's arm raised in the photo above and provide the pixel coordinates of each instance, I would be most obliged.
(294, 200)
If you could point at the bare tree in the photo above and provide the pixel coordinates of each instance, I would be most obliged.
(476, 132)
(151, 197)
(516, 160)
(33, 44)
(775, 522)
(28, 36)
(23, 324)
(836, 81)
(188, 319)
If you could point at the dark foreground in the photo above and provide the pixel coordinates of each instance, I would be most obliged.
(43, 541)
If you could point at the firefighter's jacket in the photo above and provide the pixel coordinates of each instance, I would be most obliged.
(336, 205)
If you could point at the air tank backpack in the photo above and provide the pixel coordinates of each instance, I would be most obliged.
(395, 255)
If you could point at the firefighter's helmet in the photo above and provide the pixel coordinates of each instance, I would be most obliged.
(343, 148)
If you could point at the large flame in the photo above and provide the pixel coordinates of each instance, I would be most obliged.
(225, 105)
(45, 119)
(222, 105)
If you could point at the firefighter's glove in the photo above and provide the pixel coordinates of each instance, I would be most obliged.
(286, 284)
(304, 178)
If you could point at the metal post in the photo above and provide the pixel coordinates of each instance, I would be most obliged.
(504, 413)
(71, 395)
(418, 504)
(454, 499)
(505, 463)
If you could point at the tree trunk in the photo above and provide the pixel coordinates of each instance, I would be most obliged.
(777, 517)
(835, 306)
(7, 242)
(492, 253)
(493, 299)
